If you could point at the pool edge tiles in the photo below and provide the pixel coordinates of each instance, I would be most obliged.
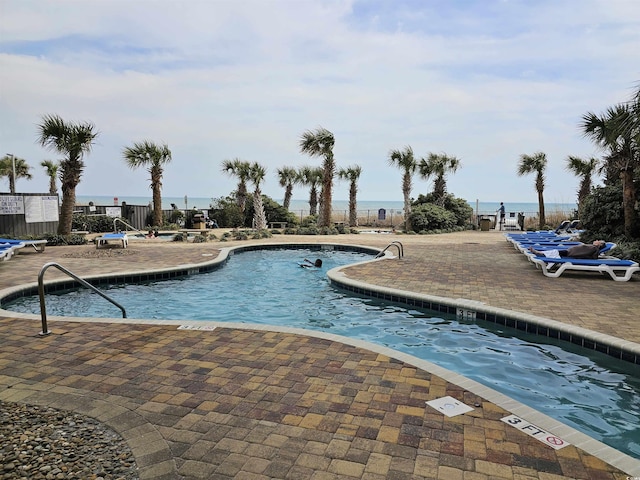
(614, 347)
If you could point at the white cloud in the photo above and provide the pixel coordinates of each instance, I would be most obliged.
(485, 81)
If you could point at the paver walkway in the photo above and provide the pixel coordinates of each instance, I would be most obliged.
(258, 404)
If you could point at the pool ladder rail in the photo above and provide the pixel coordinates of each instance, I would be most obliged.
(43, 307)
(396, 244)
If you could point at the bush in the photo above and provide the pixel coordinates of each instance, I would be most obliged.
(428, 217)
(602, 213)
(57, 240)
(92, 224)
(458, 206)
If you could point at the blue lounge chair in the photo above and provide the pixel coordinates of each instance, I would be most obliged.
(105, 238)
(38, 245)
(619, 270)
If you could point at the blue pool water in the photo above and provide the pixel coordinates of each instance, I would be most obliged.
(587, 390)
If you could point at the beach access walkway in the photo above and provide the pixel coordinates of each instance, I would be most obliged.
(260, 403)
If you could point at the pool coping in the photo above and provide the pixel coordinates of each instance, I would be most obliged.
(459, 307)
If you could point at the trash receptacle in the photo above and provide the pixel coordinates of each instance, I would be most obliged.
(485, 224)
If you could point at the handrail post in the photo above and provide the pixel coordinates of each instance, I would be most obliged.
(43, 307)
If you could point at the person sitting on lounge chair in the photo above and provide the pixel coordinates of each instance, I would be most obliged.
(574, 251)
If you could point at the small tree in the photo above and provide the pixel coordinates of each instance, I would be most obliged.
(153, 157)
(536, 163)
(72, 140)
(320, 144)
(584, 170)
(438, 165)
(7, 165)
(52, 172)
(352, 174)
(242, 170)
(287, 178)
(405, 160)
(311, 177)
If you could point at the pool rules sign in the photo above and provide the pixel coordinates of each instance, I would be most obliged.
(535, 432)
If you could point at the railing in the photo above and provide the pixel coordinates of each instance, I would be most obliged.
(43, 307)
(117, 219)
(396, 244)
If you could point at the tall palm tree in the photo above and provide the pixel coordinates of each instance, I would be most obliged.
(438, 165)
(320, 144)
(405, 160)
(536, 163)
(615, 133)
(153, 157)
(583, 169)
(52, 172)
(7, 165)
(73, 140)
(242, 170)
(256, 174)
(311, 177)
(352, 173)
(288, 177)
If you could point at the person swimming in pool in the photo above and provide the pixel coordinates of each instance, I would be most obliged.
(309, 264)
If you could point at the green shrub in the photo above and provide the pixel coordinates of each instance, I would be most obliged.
(58, 240)
(428, 217)
(92, 224)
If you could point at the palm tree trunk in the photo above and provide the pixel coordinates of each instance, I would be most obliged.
(66, 210)
(288, 193)
(313, 201)
(406, 192)
(353, 213)
(157, 206)
(543, 219)
(259, 217)
(631, 225)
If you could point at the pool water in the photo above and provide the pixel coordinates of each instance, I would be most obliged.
(590, 391)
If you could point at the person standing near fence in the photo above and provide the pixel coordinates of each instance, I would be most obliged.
(502, 213)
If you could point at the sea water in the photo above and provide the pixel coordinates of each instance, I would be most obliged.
(302, 206)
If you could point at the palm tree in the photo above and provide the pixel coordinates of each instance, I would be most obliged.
(288, 177)
(72, 140)
(52, 172)
(242, 170)
(320, 144)
(153, 157)
(311, 177)
(405, 160)
(352, 174)
(256, 174)
(438, 165)
(617, 132)
(535, 163)
(583, 169)
(7, 165)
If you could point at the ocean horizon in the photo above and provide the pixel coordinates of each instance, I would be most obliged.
(302, 206)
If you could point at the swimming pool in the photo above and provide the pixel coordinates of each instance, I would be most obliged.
(587, 390)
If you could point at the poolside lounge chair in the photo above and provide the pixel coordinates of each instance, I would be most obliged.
(619, 270)
(119, 237)
(8, 249)
(38, 245)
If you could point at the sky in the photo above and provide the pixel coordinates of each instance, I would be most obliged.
(485, 81)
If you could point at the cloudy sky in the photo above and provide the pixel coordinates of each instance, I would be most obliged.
(482, 80)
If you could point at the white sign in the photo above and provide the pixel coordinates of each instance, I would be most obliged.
(449, 406)
(41, 209)
(112, 211)
(11, 205)
(197, 327)
(536, 432)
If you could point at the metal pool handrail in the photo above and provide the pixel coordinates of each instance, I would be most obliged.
(118, 219)
(396, 244)
(43, 308)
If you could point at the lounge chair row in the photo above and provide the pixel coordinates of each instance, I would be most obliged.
(619, 270)
(9, 246)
